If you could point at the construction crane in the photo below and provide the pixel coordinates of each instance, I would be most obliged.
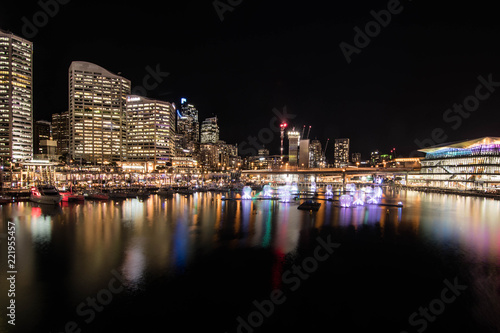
(309, 130)
(324, 152)
(282, 130)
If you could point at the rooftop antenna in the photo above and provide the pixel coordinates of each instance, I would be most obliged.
(303, 129)
(309, 130)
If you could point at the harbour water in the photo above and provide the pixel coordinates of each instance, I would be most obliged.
(212, 265)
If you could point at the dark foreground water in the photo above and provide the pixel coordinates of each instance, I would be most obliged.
(201, 264)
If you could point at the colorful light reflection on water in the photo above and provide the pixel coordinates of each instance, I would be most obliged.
(158, 237)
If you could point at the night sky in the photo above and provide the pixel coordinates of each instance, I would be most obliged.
(271, 54)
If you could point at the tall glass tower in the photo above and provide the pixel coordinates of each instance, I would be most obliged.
(16, 97)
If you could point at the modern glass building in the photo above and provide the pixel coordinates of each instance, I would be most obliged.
(471, 164)
(97, 119)
(16, 97)
(150, 130)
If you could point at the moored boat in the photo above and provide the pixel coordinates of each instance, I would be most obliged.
(45, 194)
(4, 200)
(71, 197)
(117, 195)
(143, 194)
(97, 196)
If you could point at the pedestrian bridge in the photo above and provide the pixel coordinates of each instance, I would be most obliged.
(342, 172)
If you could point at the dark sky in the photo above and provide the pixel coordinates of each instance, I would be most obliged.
(271, 54)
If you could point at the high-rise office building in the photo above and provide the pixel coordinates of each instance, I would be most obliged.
(210, 130)
(16, 97)
(41, 131)
(356, 158)
(187, 122)
(150, 130)
(97, 119)
(60, 131)
(341, 153)
(315, 154)
(293, 147)
(188, 129)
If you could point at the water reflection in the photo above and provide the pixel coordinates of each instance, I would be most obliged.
(159, 237)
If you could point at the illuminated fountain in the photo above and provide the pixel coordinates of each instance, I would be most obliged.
(350, 187)
(358, 199)
(294, 189)
(329, 190)
(372, 200)
(358, 202)
(284, 193)
(247, 193)
(345, 200)
(267, 191)
(378, 193)
(313, 186)
(367, 189)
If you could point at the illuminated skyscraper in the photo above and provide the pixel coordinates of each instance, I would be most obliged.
(150, 130)
(16, 97)
(187, 122)
(210, 131)
(293, 147)
(188, 128)
(97, 120)
(341, 153)
(315, 154)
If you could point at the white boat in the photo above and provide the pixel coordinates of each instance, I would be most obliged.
(45, 194)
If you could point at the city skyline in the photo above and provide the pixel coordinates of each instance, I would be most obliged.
(376, 99)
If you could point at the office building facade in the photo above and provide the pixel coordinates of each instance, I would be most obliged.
(41, 131)
(150, 130)
(209, 131)
(97, 117)
(16, 97)
(60, 132)
(316, 154)
(341, 153)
